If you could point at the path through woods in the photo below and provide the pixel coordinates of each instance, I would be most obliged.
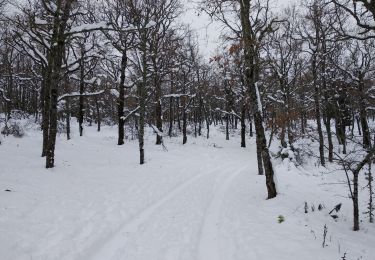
(200, 201)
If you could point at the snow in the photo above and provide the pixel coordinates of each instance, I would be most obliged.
(275, 100)
(156, 130)
(133, 112)
(174, 95)
(259, 100)
(39, 21)
(201, 201)
(103, 26)
(91, 81)
(179, 95)
(89, 27)
(115, 92)
(77, 94)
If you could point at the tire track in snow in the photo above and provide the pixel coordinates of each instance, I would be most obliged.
(107, 248)
(209, 240)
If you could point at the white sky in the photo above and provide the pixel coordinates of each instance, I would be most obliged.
(209, 32)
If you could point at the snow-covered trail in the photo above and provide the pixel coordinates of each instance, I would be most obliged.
(201, 201)
(207, 190)
(209, 238)
(98, 203)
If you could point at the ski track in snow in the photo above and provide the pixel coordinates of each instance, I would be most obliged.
(209, 244)
(116, 241)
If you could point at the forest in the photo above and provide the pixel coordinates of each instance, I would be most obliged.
(293, 84)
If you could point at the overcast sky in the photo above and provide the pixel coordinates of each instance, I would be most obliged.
(209, 32)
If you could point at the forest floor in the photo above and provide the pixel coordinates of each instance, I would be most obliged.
(203, 201)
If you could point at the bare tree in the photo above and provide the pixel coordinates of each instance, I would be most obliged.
(256, 24)
(120, 15)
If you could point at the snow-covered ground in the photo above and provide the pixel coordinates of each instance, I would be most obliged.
(200, 201)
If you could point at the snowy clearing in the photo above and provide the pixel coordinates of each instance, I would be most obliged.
(200, 201)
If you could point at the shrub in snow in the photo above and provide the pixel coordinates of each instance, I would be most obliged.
(13, 128)
(280, 219)
(287, 153)
(292, 153)
(18, 114)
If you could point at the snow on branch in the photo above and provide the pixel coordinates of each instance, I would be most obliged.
(89, 27)
(87, 81)
(275, 100)
(124, 118)
(157, 131)
(115, 92)
(104, 26)
(228, 113)
(259, 101)
(179, 95)
(77, 94)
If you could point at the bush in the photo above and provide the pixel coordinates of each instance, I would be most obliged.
(292, 153)
(280, 219)
(16, 114)
(13, 128)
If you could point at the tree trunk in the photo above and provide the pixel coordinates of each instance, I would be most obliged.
(81, 92)
(55, 63)
(121, 100)
(195, 123)
(243, 125)
(363, 114)
(208, 128)
(178, 114)
(171, 116)
(354, 193)
(142, 99)
(259, 156)
(201, 107)
(251, 77)
(371, 193)
(355, 202)
(67, 106)
(358, 125)
(302, 124)
(329, 137)
(141, 131)
(98, 116)
(227, 127)
(50, 159)
(158, 109)
(184, 123)
(45, 111)
(317, 111)
(282, 136)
